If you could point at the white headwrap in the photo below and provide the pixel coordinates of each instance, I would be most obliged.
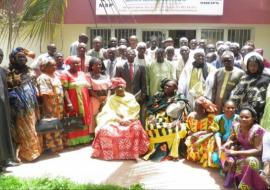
(141, 45)
(228, 53)
(198, 51)
(223, 46)
(169, 48)
(249, 55)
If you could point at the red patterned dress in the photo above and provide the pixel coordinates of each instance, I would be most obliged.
(116, 142)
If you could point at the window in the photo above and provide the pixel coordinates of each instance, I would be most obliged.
(146, 35)
(239, 35)
(124, 33)
(104, 33)
(212, 35)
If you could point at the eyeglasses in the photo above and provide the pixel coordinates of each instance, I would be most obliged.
(227, 60)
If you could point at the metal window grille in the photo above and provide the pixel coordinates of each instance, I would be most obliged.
(124, 33)
(146, 35)
(239, 35)
(212, 35)
(104, 33)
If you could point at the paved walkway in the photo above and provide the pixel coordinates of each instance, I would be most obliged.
(77, 165)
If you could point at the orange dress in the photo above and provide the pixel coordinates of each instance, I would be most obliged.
(201, 142)
(51, 89)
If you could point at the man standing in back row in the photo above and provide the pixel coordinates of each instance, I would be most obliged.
(225, 79)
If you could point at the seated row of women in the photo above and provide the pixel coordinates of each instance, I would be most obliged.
(230, 142)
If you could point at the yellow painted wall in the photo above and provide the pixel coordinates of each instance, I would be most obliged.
(260, 35)
(262, 39)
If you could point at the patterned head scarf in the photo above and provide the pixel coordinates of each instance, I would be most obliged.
(117, 82)
(198, 51)
(207, 104)
(70, 59)
(254, 56)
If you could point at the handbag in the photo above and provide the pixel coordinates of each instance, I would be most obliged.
(174, 110)
(73, 123)
(46, 125)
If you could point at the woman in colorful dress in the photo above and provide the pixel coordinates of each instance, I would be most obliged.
(162, 125)
(243, 152)
(201, 141)
(119, 132)
(77, 101)
(52, 96)
(225, 122)
(24, 106)
(99, 89)
(251, 90)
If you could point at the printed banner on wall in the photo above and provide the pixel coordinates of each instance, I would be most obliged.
(164, 7)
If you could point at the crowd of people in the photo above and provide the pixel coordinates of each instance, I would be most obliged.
(208, 103)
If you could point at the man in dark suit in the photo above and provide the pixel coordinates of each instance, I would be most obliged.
(135, 76)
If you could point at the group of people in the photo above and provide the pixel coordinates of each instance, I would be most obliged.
(208, 103)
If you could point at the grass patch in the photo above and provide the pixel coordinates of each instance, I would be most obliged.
(60, 183)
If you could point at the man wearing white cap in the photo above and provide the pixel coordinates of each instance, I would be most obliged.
(194, 78)
(225, 79)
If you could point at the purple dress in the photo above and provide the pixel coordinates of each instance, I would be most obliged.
(246, 173)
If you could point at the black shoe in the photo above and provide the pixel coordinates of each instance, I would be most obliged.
(2, 169)
(12, 164)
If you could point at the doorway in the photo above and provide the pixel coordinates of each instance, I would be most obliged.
(177, 34)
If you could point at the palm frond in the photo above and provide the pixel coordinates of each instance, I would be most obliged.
(41, 18)
(8, 21)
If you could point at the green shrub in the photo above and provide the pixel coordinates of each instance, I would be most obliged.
(59, 183)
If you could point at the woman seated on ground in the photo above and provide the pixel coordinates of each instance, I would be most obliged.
(119, 133)
(243, 151)
(165, 111)
(52, 95)
(201, 141)
(225, 122)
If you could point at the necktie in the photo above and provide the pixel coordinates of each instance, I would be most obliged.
(131, 71)
(111, 69)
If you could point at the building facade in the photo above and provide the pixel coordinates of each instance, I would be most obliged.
(239, 21)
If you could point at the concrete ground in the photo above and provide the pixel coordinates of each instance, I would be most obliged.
(76, 164)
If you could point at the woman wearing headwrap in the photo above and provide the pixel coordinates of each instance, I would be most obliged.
(165, 111)
(77, 99)
(24, 106)
(119, 133)
(243, 153)
(201, 141)
(251, 90)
